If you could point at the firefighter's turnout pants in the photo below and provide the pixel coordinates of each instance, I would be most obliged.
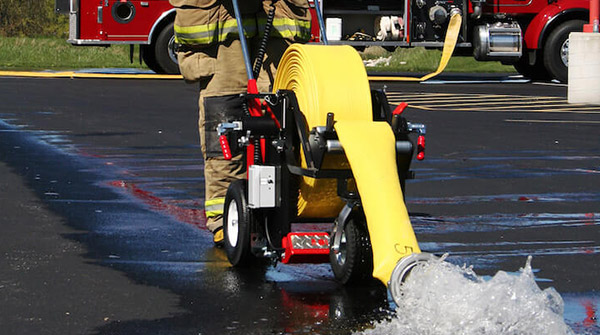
(210, 53)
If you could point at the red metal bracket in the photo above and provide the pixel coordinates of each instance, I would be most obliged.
(310, 247)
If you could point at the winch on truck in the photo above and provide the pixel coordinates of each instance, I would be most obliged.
(532, 35)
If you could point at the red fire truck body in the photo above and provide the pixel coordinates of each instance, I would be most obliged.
(122, 21)
(530, 34)
(147, 23)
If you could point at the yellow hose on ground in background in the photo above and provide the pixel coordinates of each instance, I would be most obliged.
(333, 79)
(449, 45)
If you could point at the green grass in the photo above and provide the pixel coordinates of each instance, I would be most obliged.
(422, 60)
(52, 53)
(25, 53)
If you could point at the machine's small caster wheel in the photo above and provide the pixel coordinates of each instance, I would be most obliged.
(237, 225)
(352, 258)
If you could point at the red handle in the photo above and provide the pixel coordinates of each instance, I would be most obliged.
(225, 147)
(400, 108)
(421, 148)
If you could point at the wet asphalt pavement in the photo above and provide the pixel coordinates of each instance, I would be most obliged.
(103, 229)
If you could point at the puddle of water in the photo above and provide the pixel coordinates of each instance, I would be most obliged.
(442, 298)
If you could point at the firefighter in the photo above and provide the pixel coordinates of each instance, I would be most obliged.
(210, 54)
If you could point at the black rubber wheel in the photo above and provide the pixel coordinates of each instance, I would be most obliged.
(354, 262)
(537, 71)
(556, 50)
(149, 57)
(164, 52)
(237, 225)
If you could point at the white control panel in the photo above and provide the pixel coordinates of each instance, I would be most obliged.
(261, 186)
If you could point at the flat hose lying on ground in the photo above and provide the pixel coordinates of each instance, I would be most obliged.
(333, 79)
(449, 45)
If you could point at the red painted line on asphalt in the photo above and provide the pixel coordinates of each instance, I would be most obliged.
(590, 313)
(193, 216)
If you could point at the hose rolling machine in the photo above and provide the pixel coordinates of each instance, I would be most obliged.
(322, 147)
(259, 211)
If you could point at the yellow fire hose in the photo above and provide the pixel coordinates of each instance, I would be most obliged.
(333, 79)
(449, 45)
(324, 79)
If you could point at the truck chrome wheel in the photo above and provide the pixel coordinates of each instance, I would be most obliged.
(172, 53)
(166, 58)
(564, 53)
(556, 49)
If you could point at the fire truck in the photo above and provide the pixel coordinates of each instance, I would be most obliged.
(532, 35)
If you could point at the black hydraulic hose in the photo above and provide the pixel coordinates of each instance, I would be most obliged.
(263, 43)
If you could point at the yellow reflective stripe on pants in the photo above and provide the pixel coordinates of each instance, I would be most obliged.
(213, 32)
(288, 28)
(214, 207)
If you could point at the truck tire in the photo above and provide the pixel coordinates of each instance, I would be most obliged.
(556, 50)
(537, 71)
(149, 57)
(160, 56)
